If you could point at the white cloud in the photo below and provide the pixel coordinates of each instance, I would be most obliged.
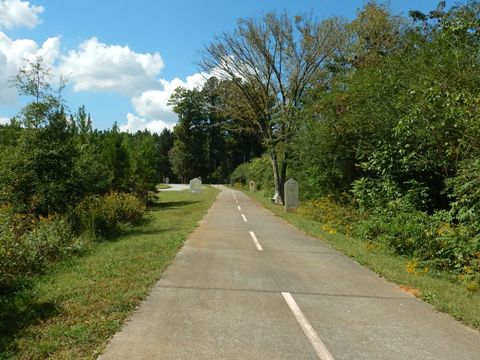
(18, 13)
(135, 123)
(13, 54)
(153, 103)
(102, 67)
(4, 120)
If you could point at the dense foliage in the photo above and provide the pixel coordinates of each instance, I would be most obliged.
(390, 142)
(63, 183)
(269, 63)
(206, 143)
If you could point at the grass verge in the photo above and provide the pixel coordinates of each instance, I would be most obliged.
(163, 186)
(73, 310)
(439, 289)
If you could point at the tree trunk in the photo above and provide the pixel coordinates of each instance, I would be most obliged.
(283, 179)
(277, 178)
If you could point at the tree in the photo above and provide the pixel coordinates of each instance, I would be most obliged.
(271, 62)
(34, 79)
(189, 153)
(92, 175)
(206, 144)
(374, 34)
(163, 144)
(117, 157)
(144, 177)
(37, 173)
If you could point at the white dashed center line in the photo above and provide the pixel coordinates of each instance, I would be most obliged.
(244, 218)
(310, 333)
(255, 240)
(239, 208)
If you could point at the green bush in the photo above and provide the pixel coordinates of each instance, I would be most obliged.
(241, 174)
(261, 173)
(26, 247)
(465, 193)
(333, 216)
(104, 215)
(29, 243)
(434, 239)
(259, 170)
(402, 231)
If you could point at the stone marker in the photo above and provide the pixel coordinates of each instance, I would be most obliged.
(167, 180)
(291, 195)
(252, 186)
(195, 185)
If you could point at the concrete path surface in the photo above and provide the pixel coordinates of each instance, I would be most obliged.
(176, 187)
(179, 187)
(246, 285)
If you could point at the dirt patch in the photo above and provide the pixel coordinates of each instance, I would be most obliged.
(411, 291)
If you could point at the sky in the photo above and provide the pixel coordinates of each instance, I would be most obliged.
(124, 58)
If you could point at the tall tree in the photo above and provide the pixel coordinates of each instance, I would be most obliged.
(36, 176)
(34, 80)
(189, 155)
(163, 144)
(271, 62)
(117, 157)
(206, 143)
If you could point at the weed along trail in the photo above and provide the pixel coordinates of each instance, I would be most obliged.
(260, 289)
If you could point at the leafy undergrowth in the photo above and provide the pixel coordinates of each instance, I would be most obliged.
(72, 311)
(440, 289)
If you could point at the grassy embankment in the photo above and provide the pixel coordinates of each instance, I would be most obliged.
(438, 289)
(72, 311)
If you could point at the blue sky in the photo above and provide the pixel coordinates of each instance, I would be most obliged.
(125, 57)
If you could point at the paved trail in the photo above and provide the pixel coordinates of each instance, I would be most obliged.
(246, 285)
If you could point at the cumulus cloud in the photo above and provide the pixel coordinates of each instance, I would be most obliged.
(4, 120)
(153, 103)
(18, 13)
(13, 54)
(102, 67)
(135, 123)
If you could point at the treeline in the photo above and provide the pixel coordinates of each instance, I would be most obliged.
(207, 142)
(381, 129)
(62, 183)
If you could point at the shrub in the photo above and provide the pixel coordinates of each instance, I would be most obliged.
(450, 246)
(259, 170)
(434, 239)
(239, 186)
(51, 239)
(465, 193)
(241, 174)
(103, 215)
(402, 231)
(27, 247)
(332, 215)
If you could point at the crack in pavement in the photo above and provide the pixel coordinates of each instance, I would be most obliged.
(283, 290)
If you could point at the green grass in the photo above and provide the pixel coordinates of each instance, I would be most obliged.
(439, 289)
(163, 186)
(72, 311)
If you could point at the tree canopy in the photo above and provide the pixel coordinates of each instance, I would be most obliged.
(271, 62)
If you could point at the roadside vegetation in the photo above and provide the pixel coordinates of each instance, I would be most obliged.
(72, 310)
